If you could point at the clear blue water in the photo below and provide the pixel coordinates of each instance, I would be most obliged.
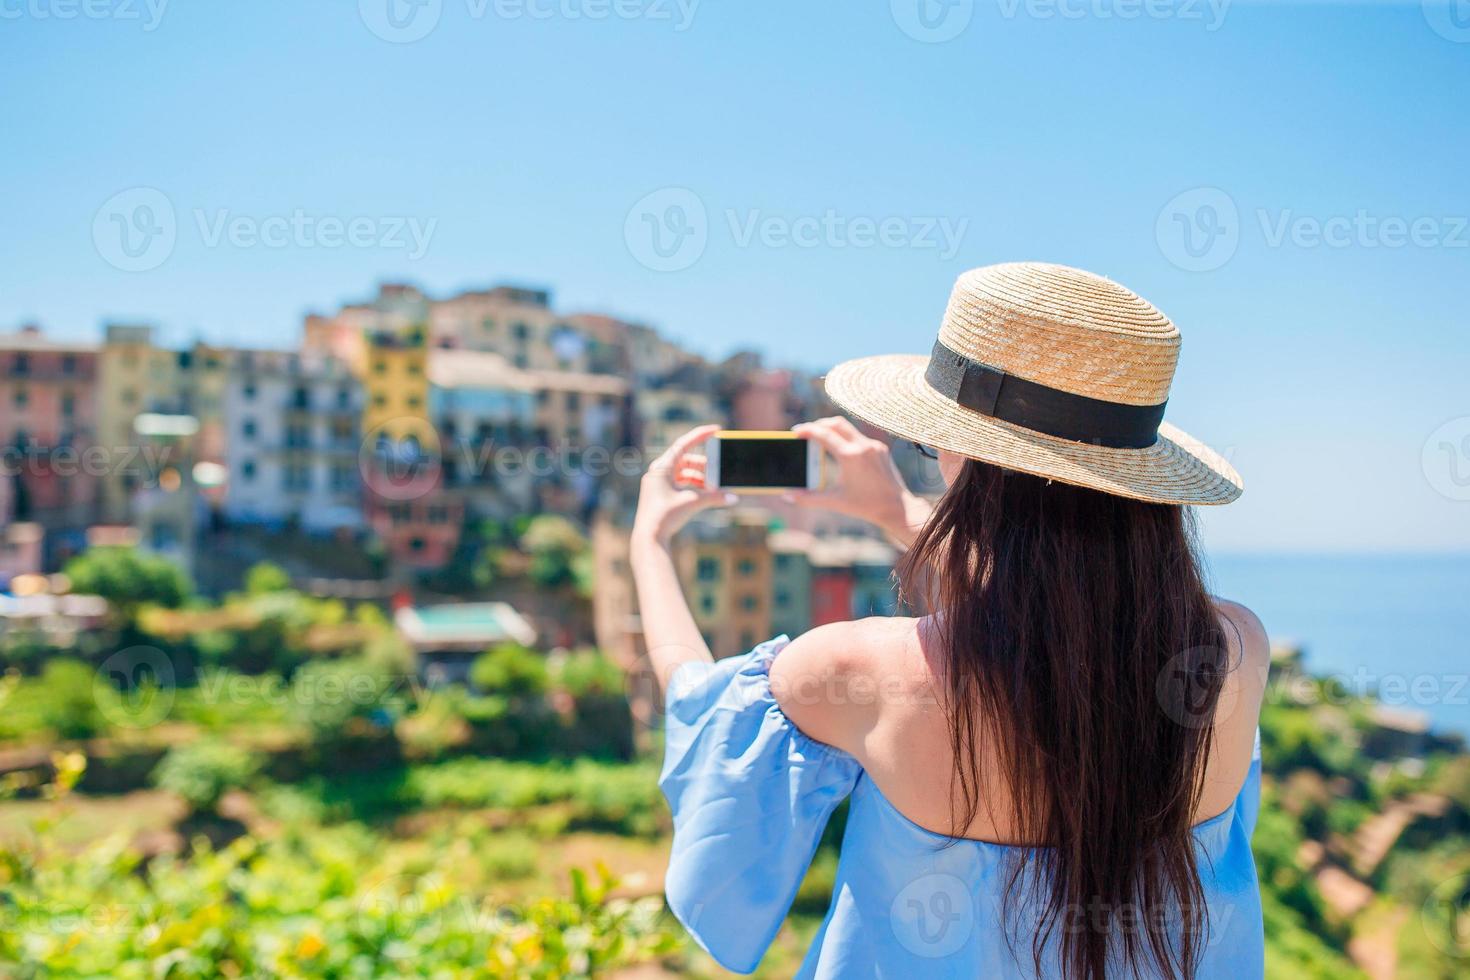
(1398, 623)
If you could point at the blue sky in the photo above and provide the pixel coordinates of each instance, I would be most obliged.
(1315, 155)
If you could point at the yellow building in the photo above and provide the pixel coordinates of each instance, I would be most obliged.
(133, 377)
(395, 378)
(726, 567)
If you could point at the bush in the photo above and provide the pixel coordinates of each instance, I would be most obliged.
(202, 772)
(65, 699)
(556, 547)
(128, 578)
(264, 578)
(510, 670)
(324, 904)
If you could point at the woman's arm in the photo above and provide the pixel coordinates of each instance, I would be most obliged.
(869, 487)
(667, 498)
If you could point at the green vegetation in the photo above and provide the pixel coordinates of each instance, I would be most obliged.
(128, 578)
(269, 790)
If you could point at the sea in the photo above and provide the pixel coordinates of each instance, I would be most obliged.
(1397, 625)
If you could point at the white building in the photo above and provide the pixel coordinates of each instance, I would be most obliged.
(293, 441)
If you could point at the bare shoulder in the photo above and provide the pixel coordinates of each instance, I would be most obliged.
(831, 680)
(1245, 632)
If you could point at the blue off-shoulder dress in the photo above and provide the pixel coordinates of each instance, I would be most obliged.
(751, 795)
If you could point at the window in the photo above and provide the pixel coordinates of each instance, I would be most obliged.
(247, 470)
(783, 598)
(708, 570)
(22, 398)
(68, 404)
(298, 436)
(249, 391)
(746, 568)
(380, 366)
(296, 477)
(247, 429)
(414, 401)
(749, 603)
(344, 397)
(438, 514)
(415, 544)
(574, 401)
(747, 640)
(380, 399)
(21, 364)
(707, 603)
(521, 332)
(68, 364)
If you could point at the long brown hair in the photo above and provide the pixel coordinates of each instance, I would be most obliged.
(1077, 638)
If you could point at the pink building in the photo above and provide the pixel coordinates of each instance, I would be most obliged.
(48, 408)
(765, 401)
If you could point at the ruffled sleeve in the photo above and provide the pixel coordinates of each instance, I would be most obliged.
(751, 795)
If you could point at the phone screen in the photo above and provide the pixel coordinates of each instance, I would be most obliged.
(763, 462)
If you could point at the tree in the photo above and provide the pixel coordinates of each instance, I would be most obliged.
(265, 577)
(557, 549)
(202, 772)
(128, 578)
(510, 669)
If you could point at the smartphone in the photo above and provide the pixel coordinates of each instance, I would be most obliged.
(762, 462)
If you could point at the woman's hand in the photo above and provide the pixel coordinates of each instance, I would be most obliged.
(869, 486)
(673, 490)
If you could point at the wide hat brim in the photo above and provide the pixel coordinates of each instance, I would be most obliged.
(889, 391)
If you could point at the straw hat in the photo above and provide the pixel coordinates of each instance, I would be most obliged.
(1051, 371)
